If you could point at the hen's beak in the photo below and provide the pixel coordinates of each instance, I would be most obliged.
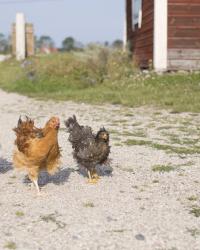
(58, 123)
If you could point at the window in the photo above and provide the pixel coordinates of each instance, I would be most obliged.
(137, 13)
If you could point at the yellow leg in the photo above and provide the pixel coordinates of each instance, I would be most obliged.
(91, 180)
(95, 175)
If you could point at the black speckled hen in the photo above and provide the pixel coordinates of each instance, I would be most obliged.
(89, 149)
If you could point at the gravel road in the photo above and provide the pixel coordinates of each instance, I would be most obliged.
(150, 201)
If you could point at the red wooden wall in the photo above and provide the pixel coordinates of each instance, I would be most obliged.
(184, 34)
(143, 37)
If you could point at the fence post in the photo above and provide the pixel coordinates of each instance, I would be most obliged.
(20, 37)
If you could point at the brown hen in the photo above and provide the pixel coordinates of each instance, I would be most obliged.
(37, 149)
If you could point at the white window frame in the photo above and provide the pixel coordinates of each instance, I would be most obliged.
(139, 19)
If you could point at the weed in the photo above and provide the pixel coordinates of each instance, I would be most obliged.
(10, 245)
(155, 181)
(195, 211)
(19, 213)
(194, 232)
(53, 218)
(100, 76)
(192, 198)
(162, 168)
(88, 204)
(132, 142)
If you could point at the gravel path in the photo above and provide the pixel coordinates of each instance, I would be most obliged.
(150, 201)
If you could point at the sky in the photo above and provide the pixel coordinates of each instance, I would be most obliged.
(85, 20)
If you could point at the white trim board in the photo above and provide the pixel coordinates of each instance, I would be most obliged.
(160, 35)
(20, 36)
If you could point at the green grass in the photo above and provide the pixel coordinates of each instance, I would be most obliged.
(194, 232)
(165, 147)
(136, 133)
(88, 204)
(192, 198)
(53, 219)
(164, 128)
(133, 142)
(162, 168)
(195, 211)
(10, 245)
(101, 77)
(19, 213)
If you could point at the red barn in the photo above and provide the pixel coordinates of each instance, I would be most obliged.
(164, 33)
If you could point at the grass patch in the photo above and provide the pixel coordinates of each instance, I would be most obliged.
(186, 164)
(53, 218)
(175, 139)
(114, 132)
(118, 144)
(195, 211)
(165, 147)
(10, 245)
(117, 231)
(176, 150)
(162, 168)
(192, 198)
(132, 142)
(155, 181)
(136, 124)
(188, 141)
(139, 133)
(101, 76)
(194, 232)
(164, 127)
(19, 213)
(88, 204)
(129, 114)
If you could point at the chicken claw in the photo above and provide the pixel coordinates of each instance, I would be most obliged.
(92, 180)
(37, 187)
(95, 176)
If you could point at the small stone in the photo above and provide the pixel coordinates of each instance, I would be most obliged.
(140, 237)
(109, 219)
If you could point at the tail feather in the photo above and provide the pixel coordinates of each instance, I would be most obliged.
(23, 131)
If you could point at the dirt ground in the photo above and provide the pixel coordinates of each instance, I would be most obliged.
(148, 198)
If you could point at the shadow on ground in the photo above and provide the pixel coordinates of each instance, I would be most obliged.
(58, 179)
(102, 170)
(5, 166)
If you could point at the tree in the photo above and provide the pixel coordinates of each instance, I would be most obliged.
(117, 44)
(4, 43)
(69, 43)
(45, 42)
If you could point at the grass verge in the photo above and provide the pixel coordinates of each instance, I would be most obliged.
(103, 77)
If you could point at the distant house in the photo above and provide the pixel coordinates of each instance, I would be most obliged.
(164, 33)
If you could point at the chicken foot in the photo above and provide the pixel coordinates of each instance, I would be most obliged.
(37, 187)
(93, 177)
(33, 176)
